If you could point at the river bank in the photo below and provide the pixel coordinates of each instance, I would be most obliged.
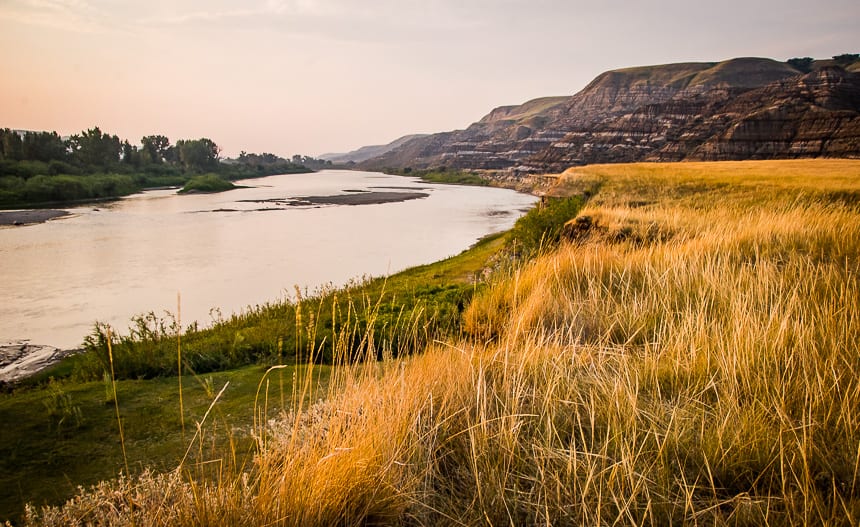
(19, 360)
(30, 217)
(353, 197)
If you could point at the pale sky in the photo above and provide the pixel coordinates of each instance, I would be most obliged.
(316, 76)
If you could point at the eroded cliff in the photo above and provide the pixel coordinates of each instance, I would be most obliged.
(746, 108)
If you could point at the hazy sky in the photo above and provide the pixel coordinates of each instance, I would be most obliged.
(315, 76)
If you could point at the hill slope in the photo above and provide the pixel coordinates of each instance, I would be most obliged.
(368, 152)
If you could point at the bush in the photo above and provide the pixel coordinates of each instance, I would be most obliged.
(541, 228)
(452, 177)
(48, 189)
(59, 167)
(803, 64)
(207, 183)
(26, 169)
(846, 59)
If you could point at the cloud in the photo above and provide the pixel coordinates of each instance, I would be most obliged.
(367, 21)
(207, 16)
(335, 20)
(79, 16)
(70, 15)
(277, 8)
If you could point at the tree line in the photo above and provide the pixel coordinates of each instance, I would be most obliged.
(41, 167)
(806, 64)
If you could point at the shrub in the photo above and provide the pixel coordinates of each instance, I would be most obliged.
(541, 227)
(207, 183)
(803, 64)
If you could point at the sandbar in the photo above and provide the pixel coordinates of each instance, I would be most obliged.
(29, 217)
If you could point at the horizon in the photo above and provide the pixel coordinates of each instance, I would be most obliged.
(327, 76)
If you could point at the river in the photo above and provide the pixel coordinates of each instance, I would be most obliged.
(112, 261)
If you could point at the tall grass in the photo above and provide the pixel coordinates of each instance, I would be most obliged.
(281, 332)
(116, 405)
(690, 357)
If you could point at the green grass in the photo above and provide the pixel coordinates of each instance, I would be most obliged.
(43, 460)
(541, 229)
(444, 176)
(460, 269)
(523, 113)
(455, 178)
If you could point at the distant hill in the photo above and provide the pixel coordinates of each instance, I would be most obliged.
(367, 152)
(742, 108)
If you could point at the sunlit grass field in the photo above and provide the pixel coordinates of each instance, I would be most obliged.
(689, 356)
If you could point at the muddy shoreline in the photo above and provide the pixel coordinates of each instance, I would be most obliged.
(19, 360)
(350, 197)
(30, 217)
(364, 198)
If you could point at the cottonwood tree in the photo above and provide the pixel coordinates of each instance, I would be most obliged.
(198, 154)
(155, 149)
(94, 148)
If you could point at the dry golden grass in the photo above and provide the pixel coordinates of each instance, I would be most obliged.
(692, 358)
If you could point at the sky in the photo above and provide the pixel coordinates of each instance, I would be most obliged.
(318, 76)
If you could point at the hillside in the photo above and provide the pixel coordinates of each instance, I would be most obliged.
(744, 108)
(688, 356)
(368, 152)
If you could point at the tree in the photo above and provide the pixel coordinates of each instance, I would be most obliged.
(199, 155)
(44, 146)
(846, 58)
(803, 64)
(154, 149)
(96, 149)
(11, 145)
(130, 154)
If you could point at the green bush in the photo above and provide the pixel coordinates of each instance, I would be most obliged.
(245, 171)
(59, 167)
(454, 177)
(25, 169)
(207, 183)
(804, 64)
(540, 228)
(11, 183)
(42, 188)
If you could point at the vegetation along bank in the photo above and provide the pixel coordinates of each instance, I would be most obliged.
(39, 169)
(683, 351)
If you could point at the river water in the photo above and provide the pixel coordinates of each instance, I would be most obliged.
(231, 250)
